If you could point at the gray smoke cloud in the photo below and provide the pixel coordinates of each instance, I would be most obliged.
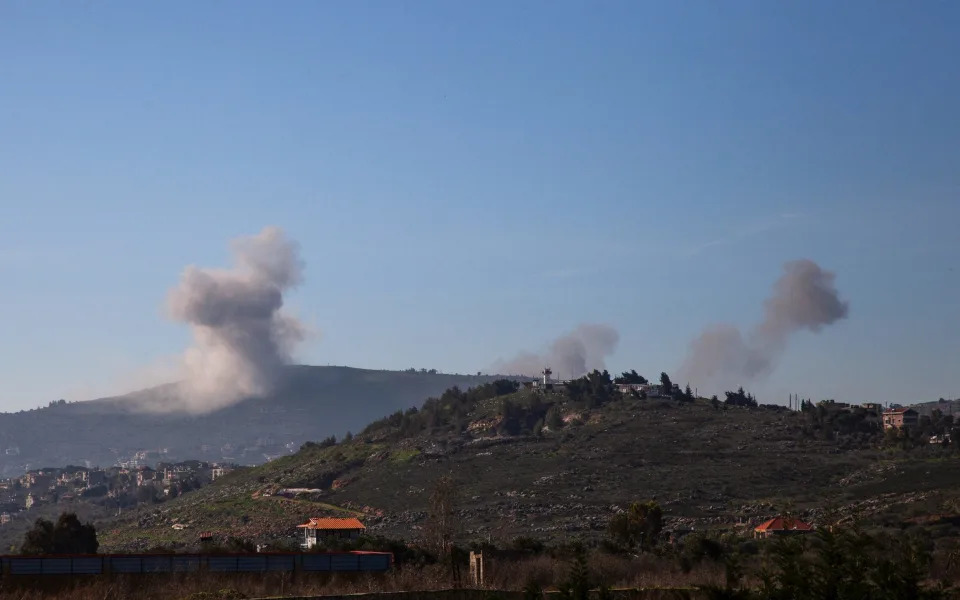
(804, 297)
(242, 339)
(571, 355)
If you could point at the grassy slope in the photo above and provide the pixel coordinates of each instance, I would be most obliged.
(705, 466)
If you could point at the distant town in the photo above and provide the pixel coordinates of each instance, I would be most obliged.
(114, 488)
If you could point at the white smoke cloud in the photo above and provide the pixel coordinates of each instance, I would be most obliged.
(804, 297)
(571, 355)
(242, 339)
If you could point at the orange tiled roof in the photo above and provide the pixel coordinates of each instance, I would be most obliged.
(784, 524)
(322, 523)
(897, 411)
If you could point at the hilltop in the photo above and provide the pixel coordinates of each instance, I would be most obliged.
(558, 465)
(311, 403)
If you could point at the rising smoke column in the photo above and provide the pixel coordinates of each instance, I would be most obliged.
(803, 298)
(571, 355)
(242, 340)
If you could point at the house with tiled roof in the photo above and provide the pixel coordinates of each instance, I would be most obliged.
(898, 418)
(781, 526)
(321, 528)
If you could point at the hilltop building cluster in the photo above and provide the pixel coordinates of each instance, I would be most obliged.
(894, 417)
(547, 383)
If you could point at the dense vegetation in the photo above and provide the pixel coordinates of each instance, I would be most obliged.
(67, 536)
(447, 413)
(451, 411)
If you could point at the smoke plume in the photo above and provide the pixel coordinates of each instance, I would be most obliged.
(803, 298)
(242, 339)
(571, 355)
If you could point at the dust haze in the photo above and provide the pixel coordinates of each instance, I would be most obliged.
(804, 298)
(570, 355)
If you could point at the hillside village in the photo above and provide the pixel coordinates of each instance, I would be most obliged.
(531, 469)
(113, 489)
(580, 452)
(497, 414)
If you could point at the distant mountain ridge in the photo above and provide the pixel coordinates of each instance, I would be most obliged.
(312, 403)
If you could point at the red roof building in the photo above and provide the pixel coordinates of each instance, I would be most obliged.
(781, 526)
(319, 528)
(898, 418)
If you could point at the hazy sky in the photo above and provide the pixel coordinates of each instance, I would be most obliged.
(467, 180)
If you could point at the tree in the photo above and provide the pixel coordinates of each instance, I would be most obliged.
(68, 536)
(592, 390)
(714, 401)
(325, 443)
(631, 376)
(578, 584)
(688, 393)
(639, 526)
(512, 417)
(847, 564)
(441, 524)
(666, 386)
(553, 419)
(741, 398)
(40, 539)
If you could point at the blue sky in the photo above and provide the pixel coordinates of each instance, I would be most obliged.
(467, 180)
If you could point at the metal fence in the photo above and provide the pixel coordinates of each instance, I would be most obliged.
(334, 562)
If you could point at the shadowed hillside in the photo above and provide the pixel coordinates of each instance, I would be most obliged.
(312, 403)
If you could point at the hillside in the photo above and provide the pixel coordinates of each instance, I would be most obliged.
(707, 465)
(312, 403)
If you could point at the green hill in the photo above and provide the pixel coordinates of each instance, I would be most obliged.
(707, 464)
